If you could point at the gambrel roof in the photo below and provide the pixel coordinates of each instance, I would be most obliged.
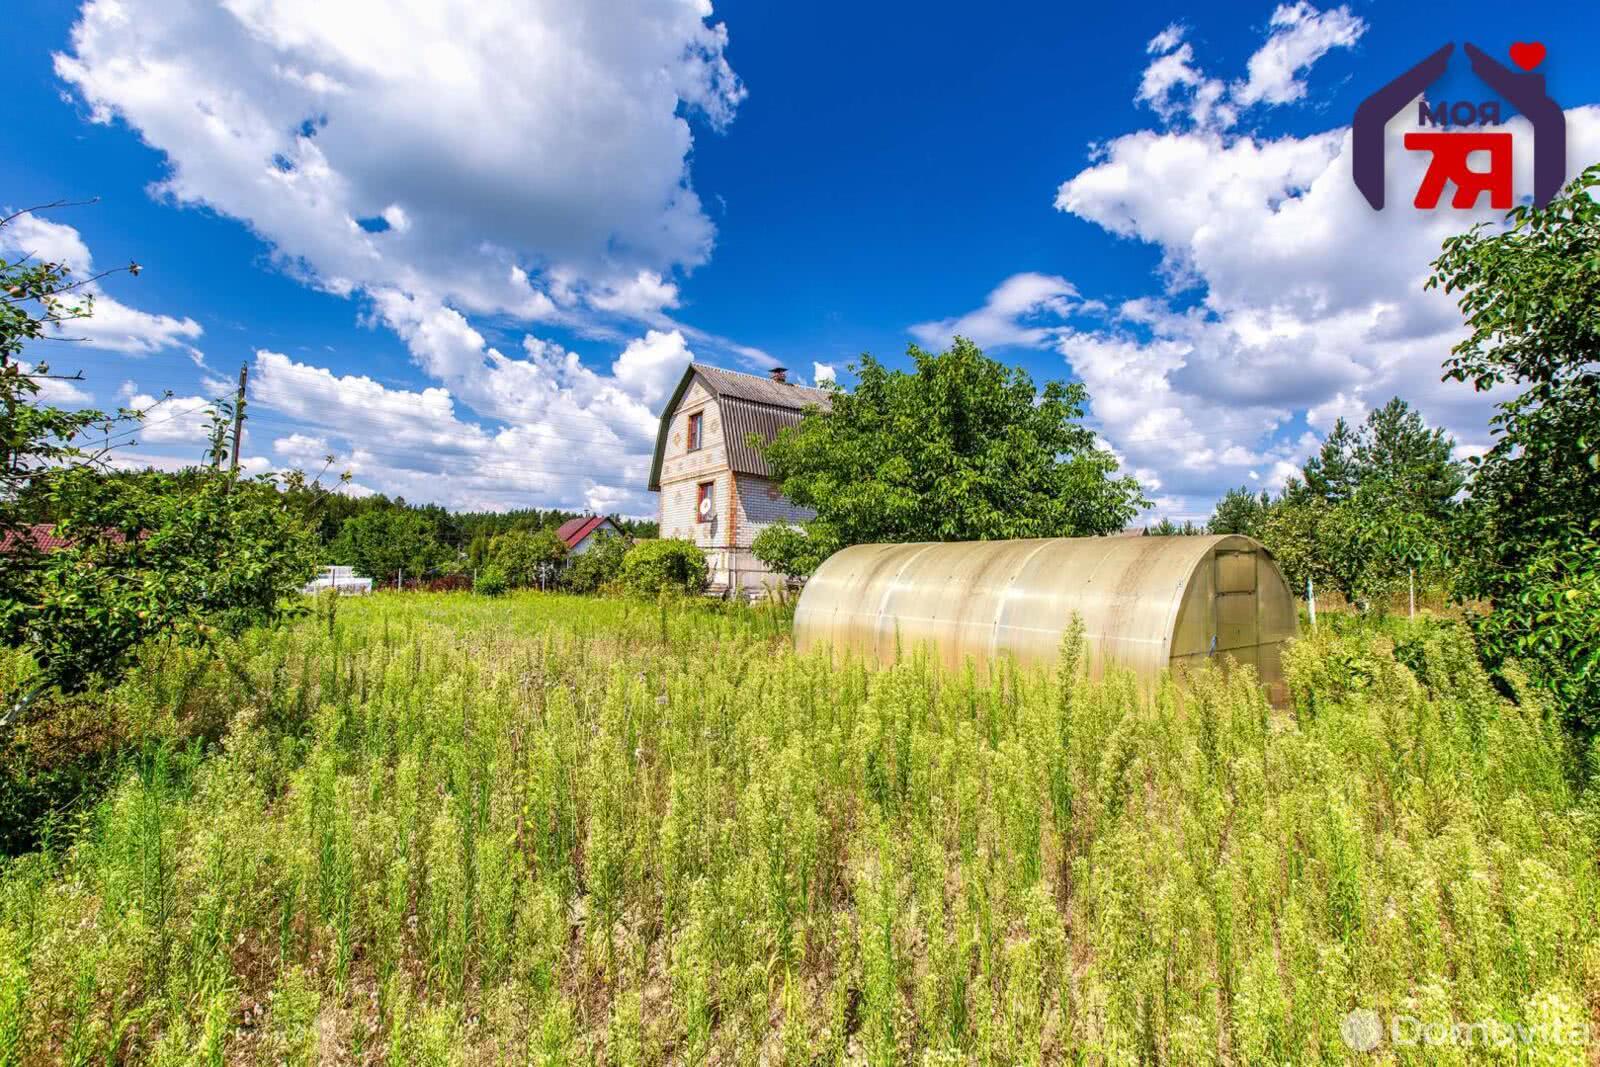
(749, 404)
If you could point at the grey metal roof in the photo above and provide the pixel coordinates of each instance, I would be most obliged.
(740, 418)
(749, 404)
(759, 390)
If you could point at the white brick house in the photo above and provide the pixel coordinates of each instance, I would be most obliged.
(715, 489)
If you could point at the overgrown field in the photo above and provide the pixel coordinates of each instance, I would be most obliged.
(446, 829)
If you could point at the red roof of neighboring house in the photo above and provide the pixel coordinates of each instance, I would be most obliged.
(45, 539)
(573, 531)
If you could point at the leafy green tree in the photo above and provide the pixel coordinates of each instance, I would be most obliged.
(380, 544)
(180, 557)
(1293, 530)
(1377, 504)
(161, 556)
(668, 565)
(1167, 528)
(959, 448)
(528, 558)
(37, 298)
(478, 551)
(1529, 295)
(600, 566)
(1241, 512)
(1394, 457)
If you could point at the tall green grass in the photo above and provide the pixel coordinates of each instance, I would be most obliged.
(444, 829)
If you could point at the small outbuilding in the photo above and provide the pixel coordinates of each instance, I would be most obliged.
(1147, 603)
(585, 531)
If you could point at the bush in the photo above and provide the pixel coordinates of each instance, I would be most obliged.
(1551, 624)
(790, 550)
(491, 581)
(523, 558)
(600, 566)
(665, 566)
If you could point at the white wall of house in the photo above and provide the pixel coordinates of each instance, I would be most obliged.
(742, 504)
(760, 504)
(682, 472)
(596, 535)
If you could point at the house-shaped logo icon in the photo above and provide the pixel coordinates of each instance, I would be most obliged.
(1451, 150)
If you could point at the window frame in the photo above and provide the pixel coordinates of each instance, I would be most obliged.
(696, 435)
(705, 491)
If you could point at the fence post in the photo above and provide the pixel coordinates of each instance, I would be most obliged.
(1311, 600)
(400, 582)
(1411, 577)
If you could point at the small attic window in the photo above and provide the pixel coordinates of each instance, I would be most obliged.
(695, 435)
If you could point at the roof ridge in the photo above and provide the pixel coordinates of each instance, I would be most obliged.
(753, 377)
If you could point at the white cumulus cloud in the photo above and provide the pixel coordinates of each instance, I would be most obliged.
(1176, 87)
(112, 325)
(521, 161)
(1022, 310)
(1301, 35)
(1284, 301)
(485, 155)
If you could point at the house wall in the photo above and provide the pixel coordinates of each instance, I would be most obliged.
(745, 504)
(759, 505)
(604, 530)
(682, 471)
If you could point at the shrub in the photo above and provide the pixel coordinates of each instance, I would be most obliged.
(665, 566)
(524, 558)
(491, 581)
(790, 550)
(600, 566)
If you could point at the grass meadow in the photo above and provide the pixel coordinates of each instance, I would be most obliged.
(446, 829)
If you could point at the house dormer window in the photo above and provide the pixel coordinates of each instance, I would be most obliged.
(695, 434)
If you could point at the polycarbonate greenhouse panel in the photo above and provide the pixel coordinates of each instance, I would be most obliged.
(1147, 603)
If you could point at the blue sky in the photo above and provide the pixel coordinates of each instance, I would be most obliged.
(1153, 200)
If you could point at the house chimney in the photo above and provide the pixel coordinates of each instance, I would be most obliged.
(779, 374)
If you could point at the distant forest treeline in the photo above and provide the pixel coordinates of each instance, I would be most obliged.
(457, 529)
(454, 531)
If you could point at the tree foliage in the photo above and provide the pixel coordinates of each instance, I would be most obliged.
(176, 556)
(1376, 504)
(1530, 292)
(600, 566)
(959, 448)
(665, 566)
(36, 438)
(1167, 528)
(1240, 511)
(527, 559)
(162, 556)
(380, 544)
(1394, 458)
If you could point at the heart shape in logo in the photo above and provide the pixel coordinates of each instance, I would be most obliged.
(1527, 54)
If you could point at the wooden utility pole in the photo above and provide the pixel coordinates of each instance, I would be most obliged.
(238, 417)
